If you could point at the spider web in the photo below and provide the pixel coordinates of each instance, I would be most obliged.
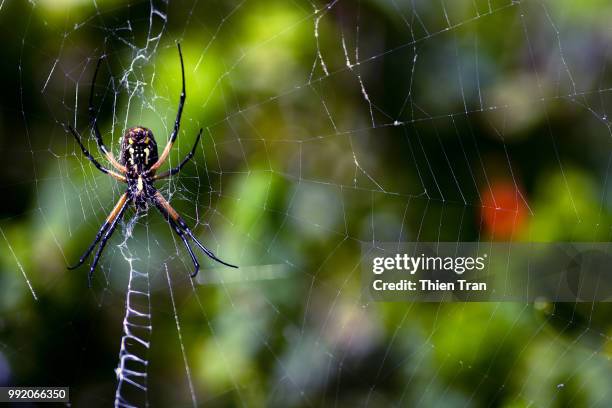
(327, 126)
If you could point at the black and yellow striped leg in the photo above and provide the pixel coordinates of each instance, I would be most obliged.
(181, 229)
(178, 168)
(93, 121)
(103, 169)
(114, 219)
(177, 121)
(180, 233)
(110, 222)
(91, 247)
(207, 251)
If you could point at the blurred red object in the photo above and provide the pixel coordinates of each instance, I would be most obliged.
(503, 210)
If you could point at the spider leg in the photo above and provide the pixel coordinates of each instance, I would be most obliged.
(207, 251)
(94, 161)
(181, 234)
(177, 121)
(172, 216)
(93, 120)
(114, 218)
(111, 217)
(178, 168)
(91, 247)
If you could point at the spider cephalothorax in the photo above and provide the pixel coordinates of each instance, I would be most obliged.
(137, 165)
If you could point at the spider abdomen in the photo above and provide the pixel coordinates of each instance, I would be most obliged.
(138, 154)
(138, 151)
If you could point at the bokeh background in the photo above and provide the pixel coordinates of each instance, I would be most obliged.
(327, 127)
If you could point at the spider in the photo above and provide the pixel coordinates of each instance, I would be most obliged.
(136, 167)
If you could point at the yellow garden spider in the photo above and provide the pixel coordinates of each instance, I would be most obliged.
(136, 166)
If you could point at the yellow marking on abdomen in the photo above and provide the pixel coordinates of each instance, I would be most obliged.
(139, 186)
(131, 151)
